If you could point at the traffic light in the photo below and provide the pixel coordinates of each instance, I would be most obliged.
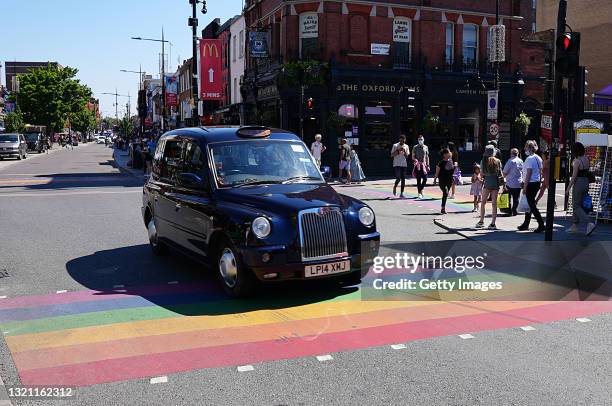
(142, 103)
(568, 54)
(309, 103)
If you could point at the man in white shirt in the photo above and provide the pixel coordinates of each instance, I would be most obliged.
(532, 170)
(317, 148)
(399, 153)
(513, 172)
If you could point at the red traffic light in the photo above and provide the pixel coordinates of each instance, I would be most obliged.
(310, 103)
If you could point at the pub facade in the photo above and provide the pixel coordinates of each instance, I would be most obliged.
(369, 73)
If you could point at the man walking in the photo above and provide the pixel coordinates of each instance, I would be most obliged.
(513, 172)
(345, 161)
(317, 148)
(399, 153)
(420, 158)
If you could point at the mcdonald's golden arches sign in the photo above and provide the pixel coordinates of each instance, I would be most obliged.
(211, 81)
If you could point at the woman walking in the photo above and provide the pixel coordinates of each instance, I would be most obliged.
(491, 169)
(456, 171)
(356, 170)
(532, 176)
(444, 174)
(580, 185)
(513, 172)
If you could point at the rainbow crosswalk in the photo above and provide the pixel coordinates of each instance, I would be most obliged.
(89, 337)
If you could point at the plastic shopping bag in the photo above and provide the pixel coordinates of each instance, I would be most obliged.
(503, 201)
(523, 206)
(587, 204)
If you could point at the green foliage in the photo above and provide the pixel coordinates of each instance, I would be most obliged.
(522, 123)
(48, 94)
(14, 121)
(335, 123)
(83, 120)
(312, 73)
(430, 122)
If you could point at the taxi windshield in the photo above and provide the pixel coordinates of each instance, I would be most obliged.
(262, 161)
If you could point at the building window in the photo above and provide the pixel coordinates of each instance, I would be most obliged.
(235, 91)
(234, 49)
(450, 44)
(533, 27)
(534, 4)
(241, 51)
(489, 44)
(309, 35)
(402, 35)
(470, 45)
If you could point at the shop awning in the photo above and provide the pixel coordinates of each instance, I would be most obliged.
(604, 96)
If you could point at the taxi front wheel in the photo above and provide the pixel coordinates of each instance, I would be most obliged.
(237, 280)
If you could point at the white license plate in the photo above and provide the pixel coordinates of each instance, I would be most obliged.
(327, 269)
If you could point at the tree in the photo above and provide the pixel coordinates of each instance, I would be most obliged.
(83, 120)
(14, 121)
(48, 94)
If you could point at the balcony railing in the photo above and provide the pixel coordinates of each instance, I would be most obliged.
(471, 66)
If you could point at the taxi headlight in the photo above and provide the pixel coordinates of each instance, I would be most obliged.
(261, 227)
(366, 216)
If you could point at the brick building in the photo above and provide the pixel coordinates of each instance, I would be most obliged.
(185, 95)
(376, 69)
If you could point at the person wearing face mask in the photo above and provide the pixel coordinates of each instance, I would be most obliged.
(420, 158)
(532, 177)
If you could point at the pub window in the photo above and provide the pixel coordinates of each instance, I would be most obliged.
(309, 35)
(470, 44)
(450, 43)
(348, 111)
(378, 109)
(402, 36)
(489, 44)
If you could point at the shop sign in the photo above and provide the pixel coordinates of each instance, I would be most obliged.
(258, 41)
(470, 92)
(401, 30)
(377, 88)
(309, 25)
(267, 92)
(546, 126)
(379, 49)
(211, 83)
(588, 126)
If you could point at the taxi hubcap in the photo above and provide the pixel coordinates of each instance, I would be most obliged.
(228, 267)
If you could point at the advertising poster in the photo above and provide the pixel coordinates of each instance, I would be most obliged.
(210, 69)
(171, 90)
(258, 44)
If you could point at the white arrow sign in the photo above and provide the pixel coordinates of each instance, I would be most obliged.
(211, 75)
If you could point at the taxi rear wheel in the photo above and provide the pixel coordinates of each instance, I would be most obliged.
(236, 279)
(158, 247)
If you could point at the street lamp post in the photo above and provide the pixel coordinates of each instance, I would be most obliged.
(163, 73)
(140, 87)
(193, 22)
(117, 102)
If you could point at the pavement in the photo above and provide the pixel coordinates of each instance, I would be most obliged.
(83, 302)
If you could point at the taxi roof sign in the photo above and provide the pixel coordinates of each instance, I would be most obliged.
(253, 132)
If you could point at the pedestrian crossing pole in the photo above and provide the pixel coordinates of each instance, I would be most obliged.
(552, 185)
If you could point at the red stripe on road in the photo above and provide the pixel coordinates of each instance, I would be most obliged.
(247, 353)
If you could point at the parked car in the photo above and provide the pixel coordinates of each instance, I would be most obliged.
(100, 139)
(13, 144)
(36, 142)
(251, 202)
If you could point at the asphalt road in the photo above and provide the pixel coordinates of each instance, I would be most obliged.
(88, 305)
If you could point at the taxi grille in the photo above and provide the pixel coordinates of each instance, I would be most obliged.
(322, 233)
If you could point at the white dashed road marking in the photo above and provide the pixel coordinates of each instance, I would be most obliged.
(322, 358)
(583, 319)
(159, 379)
(173, 283)
(245, 368)
(2, 297)
(527, 328)
(61, 291)
(398, 346)
(465, 336)
(118, 286)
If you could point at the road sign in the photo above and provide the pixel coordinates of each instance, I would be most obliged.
(494, 130)
(492, 97)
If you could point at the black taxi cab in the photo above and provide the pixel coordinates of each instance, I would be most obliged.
(251, 202)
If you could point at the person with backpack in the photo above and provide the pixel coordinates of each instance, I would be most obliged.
(491, 170)
(345, 161)
(579, 186)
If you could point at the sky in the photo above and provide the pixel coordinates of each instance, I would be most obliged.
(94, 37)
